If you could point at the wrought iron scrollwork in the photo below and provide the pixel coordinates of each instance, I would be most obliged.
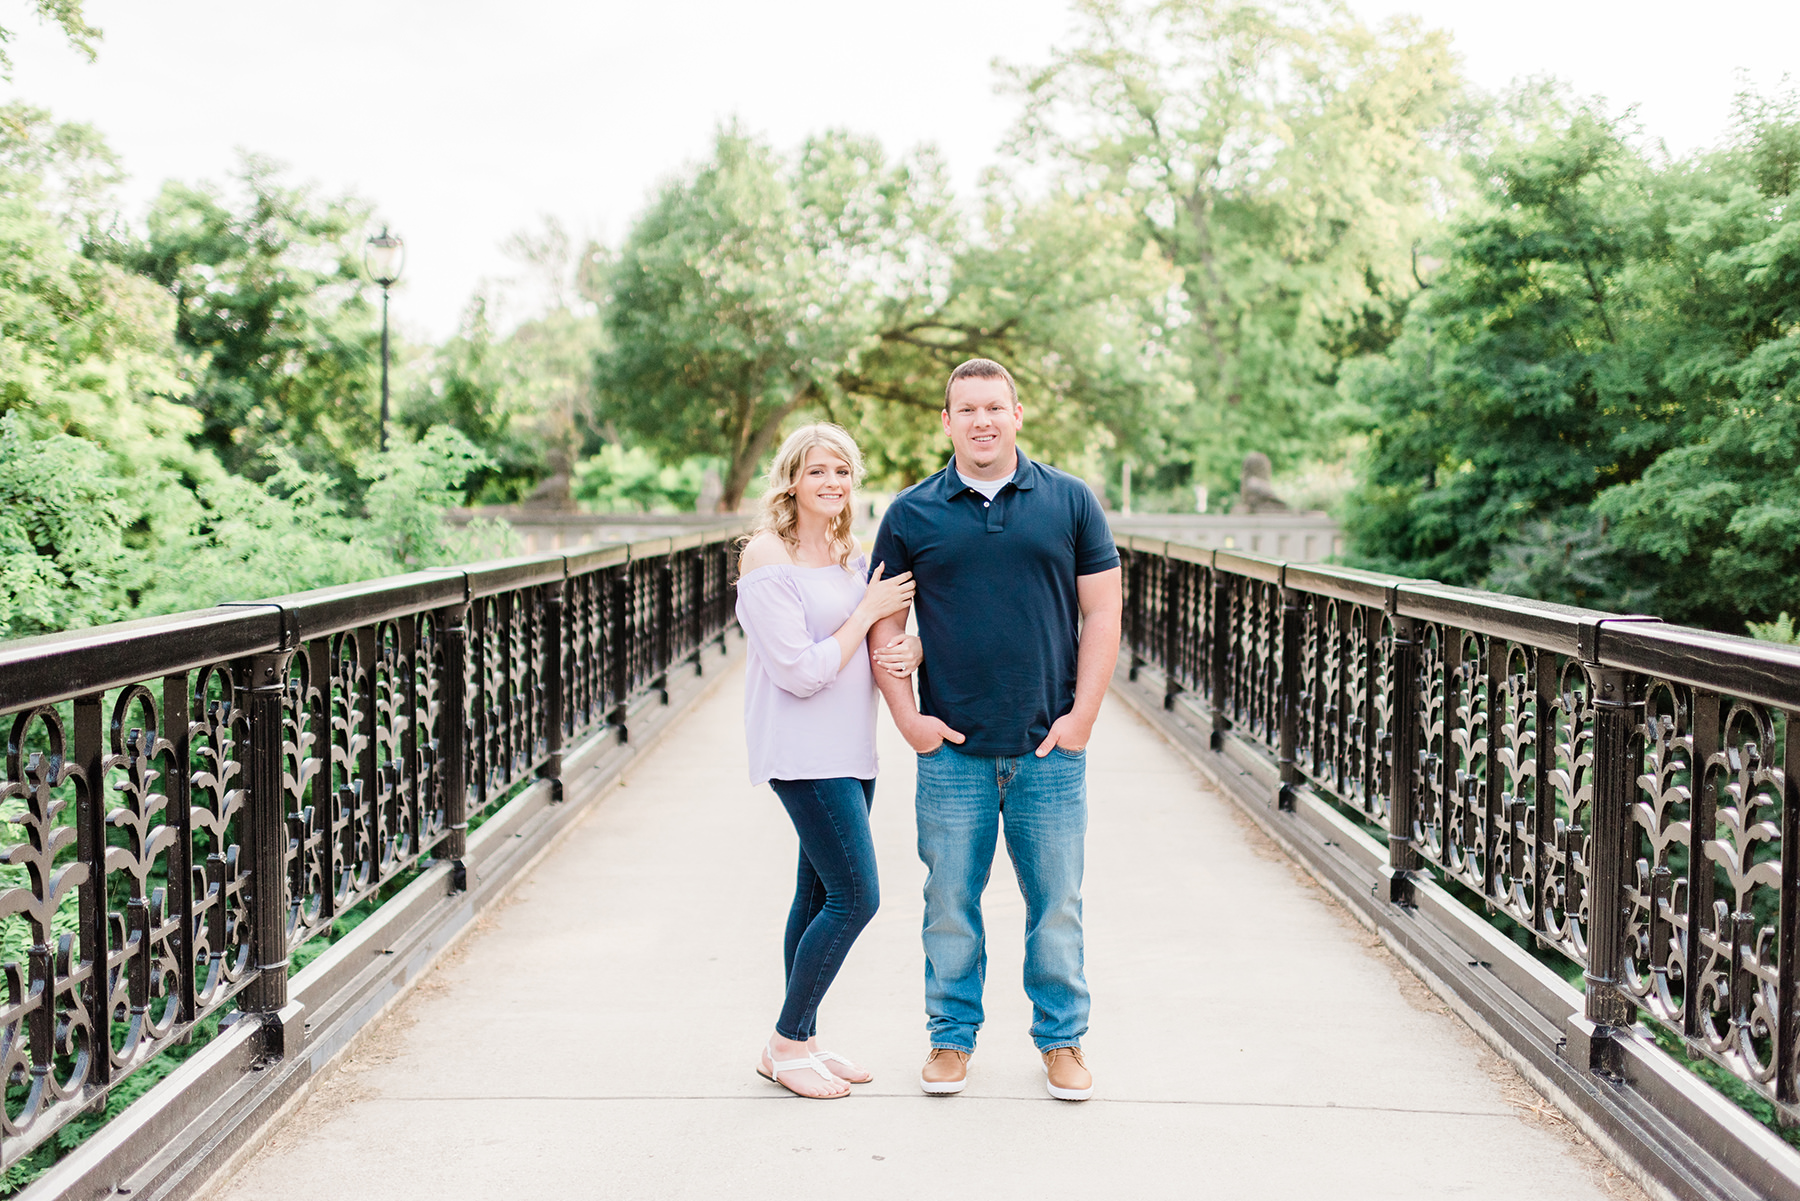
(1554, 787)
(130, 903)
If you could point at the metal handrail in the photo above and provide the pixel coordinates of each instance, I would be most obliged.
(1566, 766)
(192, 798)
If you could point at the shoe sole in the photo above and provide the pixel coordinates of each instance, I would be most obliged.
(941, 1088)
(803, 1096)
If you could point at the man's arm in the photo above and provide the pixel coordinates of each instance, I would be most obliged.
(1102, 605)
(924, 734)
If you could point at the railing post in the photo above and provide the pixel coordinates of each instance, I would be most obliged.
(177, 787)
(453, 738)
(90, 846)
(727, 564)
(665, 623)
(696, 607)
(1618, 701)
(1173, 613)
(1289, 697)
(1402, 757)
(1702, 818)
(263, 683)
(1221, 655)
(618, 648)
(1134, 620)
(1787, 968)
(552, 691)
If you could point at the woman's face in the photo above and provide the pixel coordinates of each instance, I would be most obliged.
(823, 486)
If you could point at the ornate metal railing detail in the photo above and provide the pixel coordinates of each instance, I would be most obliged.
(1624, 790)
(187, 800)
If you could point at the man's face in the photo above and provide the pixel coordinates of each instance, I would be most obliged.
(983, 422)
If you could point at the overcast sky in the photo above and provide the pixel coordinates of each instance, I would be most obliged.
(464, 121)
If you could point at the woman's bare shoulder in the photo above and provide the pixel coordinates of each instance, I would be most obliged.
(763, 550)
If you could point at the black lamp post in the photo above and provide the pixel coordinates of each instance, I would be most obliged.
(383, 258)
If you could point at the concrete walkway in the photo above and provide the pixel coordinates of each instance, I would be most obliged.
(594, 1036)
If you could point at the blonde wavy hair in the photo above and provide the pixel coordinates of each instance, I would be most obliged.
(781, 512)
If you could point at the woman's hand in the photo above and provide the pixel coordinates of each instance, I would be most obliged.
(886, 596)
(900, 657)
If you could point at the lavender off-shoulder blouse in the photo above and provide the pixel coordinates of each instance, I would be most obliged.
(803, 717)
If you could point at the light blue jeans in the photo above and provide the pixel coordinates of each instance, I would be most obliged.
(962, 802)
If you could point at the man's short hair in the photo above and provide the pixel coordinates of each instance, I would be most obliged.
(981, 369)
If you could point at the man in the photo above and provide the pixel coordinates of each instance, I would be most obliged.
(1018, 603)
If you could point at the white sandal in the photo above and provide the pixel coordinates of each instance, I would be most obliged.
(778, 1066)
(834, 1057)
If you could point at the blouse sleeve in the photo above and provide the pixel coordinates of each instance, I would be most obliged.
(774, 620)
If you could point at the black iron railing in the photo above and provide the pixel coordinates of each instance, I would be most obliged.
(188, 800)
(1626, 792)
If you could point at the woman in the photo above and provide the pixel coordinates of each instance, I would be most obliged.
(809, 715)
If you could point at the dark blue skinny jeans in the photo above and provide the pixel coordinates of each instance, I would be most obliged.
(835, 894)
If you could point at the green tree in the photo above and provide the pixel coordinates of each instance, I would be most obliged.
(1057, 289)
(1595, 399)
(270, 298)
(1285, 159)
(747, 291)
(472, 383)
(847, 286)
(66, 15)
(62, 551)
(526, 397)
(1715, 519)
(108, 508)
(1516, 392)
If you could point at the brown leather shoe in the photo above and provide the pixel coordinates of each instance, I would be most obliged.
(946, 1070)
(1066, 1074)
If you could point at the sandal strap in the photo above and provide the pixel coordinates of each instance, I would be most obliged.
(778, 1066)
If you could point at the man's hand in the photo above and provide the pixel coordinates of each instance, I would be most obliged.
(927, 734)
(1069, 732)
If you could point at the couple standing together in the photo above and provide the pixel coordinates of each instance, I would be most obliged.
(1013, 569)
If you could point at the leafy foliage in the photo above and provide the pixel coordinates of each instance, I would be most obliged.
(1283, 159)
(618, 480)
(271, 303)
(108, 508)
(758, 291)
(67, 15)
(1783, 629)
(1609, 349)
(746, 292)
(525, 396)
(1058, 291)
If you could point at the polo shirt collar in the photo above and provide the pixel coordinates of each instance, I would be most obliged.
(1023, 477)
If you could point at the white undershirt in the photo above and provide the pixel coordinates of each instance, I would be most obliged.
(989, 488)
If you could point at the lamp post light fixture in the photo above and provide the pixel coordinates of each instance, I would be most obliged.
(383, 257)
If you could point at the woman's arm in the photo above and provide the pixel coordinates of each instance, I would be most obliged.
(774, 621)
(773, 618)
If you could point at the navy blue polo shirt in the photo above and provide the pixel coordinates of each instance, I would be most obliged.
(996, 598)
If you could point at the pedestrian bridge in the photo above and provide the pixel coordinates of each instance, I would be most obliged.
(1315, 973)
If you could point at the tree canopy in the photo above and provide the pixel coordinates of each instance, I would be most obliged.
(1284, 159)
(112, 503)
(1594, 401)
(272, 304)
(841, 284)
(1543, 355)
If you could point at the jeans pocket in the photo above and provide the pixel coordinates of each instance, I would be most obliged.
(1068, 754)
(933, 753)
